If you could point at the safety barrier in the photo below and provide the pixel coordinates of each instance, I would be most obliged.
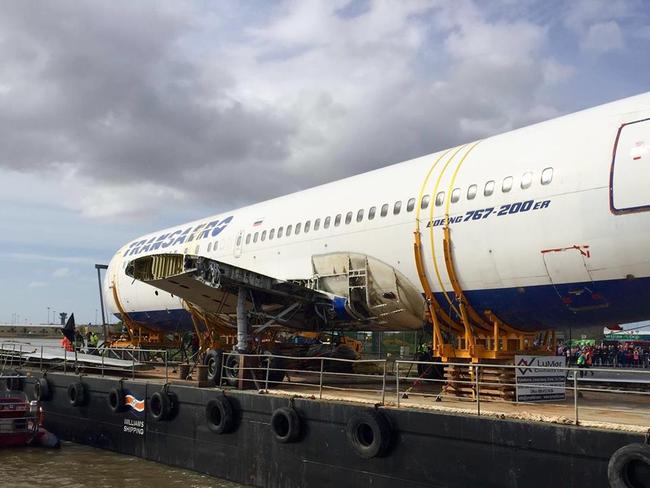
(620, 394)
(609, 395)
(577, 382)
(322, 369)
(101, 360)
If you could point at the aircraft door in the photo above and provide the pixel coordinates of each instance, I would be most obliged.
(630, 171)
(239, 244)
(567, 269)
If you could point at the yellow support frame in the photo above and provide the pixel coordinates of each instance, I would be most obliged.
(479, 336)
(139, 335)
(210, 329)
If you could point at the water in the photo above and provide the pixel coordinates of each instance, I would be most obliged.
(77, 466)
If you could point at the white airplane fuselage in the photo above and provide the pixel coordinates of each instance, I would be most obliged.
(563, 238)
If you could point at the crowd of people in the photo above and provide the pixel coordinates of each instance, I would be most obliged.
(621, 355)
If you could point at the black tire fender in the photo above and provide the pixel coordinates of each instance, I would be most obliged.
(219, 415)
(77, 394)
(160, 406)
(629, 467)
(285, 424)
(369, 433)
(115, 400)
(213, 360)
(42, 390)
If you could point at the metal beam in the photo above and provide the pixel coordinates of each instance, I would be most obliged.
(99, 267)
(242, 321)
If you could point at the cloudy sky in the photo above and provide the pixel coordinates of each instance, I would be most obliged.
(117, 118)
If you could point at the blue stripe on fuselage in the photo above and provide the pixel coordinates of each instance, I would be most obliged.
(527, 308)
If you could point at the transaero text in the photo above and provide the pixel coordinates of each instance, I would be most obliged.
(178, 236)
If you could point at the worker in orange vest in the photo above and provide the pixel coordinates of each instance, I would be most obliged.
(66, 344)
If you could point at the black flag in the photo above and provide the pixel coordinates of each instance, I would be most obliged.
(69, 329)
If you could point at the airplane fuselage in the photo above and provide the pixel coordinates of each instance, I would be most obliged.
(549, 225)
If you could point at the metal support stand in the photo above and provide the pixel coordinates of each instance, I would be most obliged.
(242, 336)
(575, 396)
(99, 267)
(320, 381)
(478, 390)
(242, 321)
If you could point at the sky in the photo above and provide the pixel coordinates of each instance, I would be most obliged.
(119, 118)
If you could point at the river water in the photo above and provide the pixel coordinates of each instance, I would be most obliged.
(77, 466)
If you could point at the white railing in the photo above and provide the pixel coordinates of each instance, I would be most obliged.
(402, 382)
(321, 369)
(100, 360)
(572, 384)
(369, 379)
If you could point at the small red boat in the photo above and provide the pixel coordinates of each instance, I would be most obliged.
(20, 421)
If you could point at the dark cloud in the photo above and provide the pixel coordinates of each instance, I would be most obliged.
(231, 103)
(104, 87)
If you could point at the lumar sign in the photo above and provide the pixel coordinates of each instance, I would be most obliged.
(540, 378)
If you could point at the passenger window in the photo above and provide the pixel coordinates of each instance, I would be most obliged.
(371, 213)
(507, 184)
(455, 195)
(397, 207)
(410, 205)
(489, 188)
(360, 215)
(471, 192)
(316, 224)
(248, 239)
(263, 236)
(526, 180)
(307, 226)
(239, 238)
(297, 231)
(547, 176)
(280, 230)
(425, 202)
(216, 245)
(256, 236)
(337, 220)
(326, 224)
(440, 198)
(384, 210)
(289, 227)
(348, 218)
(271, 234)
(209, 247)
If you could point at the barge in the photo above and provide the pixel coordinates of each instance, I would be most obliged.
(317, 429)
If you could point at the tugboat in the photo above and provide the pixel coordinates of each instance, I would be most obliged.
(21, 419)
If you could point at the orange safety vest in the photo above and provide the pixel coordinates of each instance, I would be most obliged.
(67, 345)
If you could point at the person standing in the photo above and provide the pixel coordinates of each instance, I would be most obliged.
(66, 344)
(92, 343)
(589, 359)
(580, 362)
